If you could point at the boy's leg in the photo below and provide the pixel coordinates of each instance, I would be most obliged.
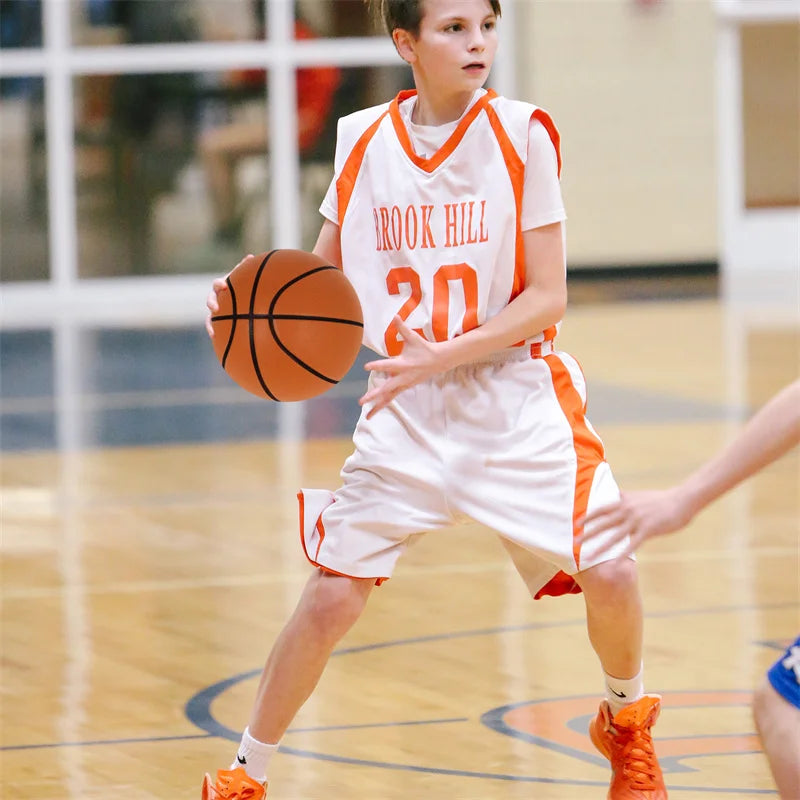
(621, 730)
(327, 609)
(614, 615)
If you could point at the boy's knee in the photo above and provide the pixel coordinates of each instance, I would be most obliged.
(617, 577)
(335, 603)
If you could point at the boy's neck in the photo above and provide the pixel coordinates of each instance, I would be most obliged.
(430, 110)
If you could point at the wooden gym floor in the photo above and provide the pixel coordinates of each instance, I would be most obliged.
(150, 556)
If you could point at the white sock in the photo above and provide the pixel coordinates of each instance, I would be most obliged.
(253, 756)
(621, 692)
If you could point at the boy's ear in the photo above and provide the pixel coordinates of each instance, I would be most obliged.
(404, 44)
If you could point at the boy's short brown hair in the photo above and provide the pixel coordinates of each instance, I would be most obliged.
(406, 14)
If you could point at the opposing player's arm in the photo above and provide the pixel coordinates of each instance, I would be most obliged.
(770, 433)
(772, 430)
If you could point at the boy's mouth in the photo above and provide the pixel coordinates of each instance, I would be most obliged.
(475, 66)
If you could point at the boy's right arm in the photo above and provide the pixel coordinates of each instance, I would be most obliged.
(328, 247)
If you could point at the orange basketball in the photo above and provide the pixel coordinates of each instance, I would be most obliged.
(289, 327)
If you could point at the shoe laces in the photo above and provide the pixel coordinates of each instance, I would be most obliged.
(246, 793)
(223, 792)
(637, 757)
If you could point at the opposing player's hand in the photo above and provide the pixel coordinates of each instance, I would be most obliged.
(638, 515)
(212, 304)
(418, 362)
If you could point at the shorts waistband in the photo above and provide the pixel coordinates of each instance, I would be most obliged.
(534, 350)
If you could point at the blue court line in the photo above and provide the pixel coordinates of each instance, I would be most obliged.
(461, 773)
(359, 762)
(187, 737)
(319, 728)
(775, 644)
(94, 742)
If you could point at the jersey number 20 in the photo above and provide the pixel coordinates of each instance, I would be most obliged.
(440, 320)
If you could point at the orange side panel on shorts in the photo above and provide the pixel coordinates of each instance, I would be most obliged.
(588, 448)
(301, 503)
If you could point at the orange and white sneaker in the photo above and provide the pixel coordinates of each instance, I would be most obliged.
(626, 742)
(233, 784)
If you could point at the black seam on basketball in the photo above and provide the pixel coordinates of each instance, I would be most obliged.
(271, 317)
(309, 318)
(253, 354)
(233, 316)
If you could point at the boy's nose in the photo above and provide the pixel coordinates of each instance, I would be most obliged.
(476, 40)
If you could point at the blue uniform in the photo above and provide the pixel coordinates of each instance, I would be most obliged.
(784, 674)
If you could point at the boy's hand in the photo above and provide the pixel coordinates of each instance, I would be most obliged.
(212, 304)
(419, 361)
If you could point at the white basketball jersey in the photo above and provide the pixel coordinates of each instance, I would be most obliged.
(434, 240)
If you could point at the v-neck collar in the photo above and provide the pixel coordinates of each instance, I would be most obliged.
(430, 164)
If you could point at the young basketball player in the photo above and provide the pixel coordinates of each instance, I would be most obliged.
(638, 516)
(445, 212)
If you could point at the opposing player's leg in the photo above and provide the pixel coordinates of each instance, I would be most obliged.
(328, 608)
(776, 709)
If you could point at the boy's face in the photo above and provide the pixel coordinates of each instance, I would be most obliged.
(456, 44)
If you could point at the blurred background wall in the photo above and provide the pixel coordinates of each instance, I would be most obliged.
(631, 86)
(158, 140)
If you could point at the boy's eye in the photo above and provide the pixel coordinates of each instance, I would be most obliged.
(490, 25)
(456, 26)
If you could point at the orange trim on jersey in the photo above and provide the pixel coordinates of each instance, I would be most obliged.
(550, 127)
(347, 179)
(321, 528)
(588, 448)
(516, 173)
(430, 164)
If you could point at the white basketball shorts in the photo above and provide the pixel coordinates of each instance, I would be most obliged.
(504, 442)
